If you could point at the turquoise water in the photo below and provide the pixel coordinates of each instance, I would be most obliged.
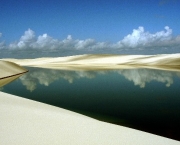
(144, 99)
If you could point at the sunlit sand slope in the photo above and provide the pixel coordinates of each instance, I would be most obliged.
(28, 122)
(7, 80)
(8, 69)
(162, 61)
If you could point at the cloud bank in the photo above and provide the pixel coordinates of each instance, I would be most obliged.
(45, 42)
(139, 39)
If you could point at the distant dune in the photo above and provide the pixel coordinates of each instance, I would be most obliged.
(88, 62)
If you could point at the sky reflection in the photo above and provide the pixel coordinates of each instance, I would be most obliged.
(140, 77)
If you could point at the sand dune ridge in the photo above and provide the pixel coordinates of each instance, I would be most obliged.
(104, 61)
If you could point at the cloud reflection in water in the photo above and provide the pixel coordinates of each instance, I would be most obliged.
(142, 76)
(138, 76)
(47, 76)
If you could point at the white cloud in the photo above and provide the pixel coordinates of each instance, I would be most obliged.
(28, 36)
(139, 39)
(25, 41)
(81, 44)
(69, 37)
(45, 42)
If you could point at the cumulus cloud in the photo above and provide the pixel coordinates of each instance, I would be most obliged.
(25, 41)
(45, 42)
(139, 39)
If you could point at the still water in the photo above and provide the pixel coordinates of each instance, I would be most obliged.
(144, 99)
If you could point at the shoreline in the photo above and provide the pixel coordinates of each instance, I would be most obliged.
(24, 121)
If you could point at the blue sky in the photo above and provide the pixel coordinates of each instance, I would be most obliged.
(97, 21)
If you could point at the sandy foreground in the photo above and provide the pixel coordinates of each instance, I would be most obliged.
(32, 123)
(29, 122)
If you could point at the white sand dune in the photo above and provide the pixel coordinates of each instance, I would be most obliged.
(28, 122)
(88, 62)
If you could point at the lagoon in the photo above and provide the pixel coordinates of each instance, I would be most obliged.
(143, 99)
